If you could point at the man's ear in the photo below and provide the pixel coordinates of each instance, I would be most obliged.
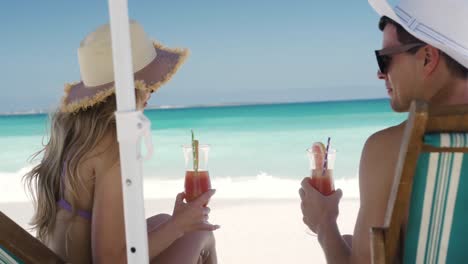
(431, 59)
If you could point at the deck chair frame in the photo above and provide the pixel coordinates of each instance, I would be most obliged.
(23, 245)
(422, 119)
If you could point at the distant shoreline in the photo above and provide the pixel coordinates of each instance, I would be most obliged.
(257, 104)
(170, 107)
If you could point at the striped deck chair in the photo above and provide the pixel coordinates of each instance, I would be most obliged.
(427, 214)
(18, 246)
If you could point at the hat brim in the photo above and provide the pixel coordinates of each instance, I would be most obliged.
(78, 96)
(422, 31)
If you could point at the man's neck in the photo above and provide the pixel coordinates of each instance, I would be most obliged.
(454, 92)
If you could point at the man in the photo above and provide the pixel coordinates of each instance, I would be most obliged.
(424, 56)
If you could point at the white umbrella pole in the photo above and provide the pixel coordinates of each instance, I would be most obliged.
(132, 125)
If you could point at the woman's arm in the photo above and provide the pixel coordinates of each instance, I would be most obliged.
(187, 217)
(108, 226)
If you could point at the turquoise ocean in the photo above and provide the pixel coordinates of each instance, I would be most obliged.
(256, 150)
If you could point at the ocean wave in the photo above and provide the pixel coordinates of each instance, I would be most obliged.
(262, 186)
(12, 188)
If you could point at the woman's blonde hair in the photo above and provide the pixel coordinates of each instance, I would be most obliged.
(72, 136)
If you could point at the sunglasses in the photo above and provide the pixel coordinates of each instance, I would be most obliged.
(384, 56)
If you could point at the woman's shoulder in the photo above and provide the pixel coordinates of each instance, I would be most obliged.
(106, 152)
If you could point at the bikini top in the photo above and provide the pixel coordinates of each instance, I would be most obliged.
(64, 204)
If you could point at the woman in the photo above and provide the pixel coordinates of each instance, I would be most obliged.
(77, 185)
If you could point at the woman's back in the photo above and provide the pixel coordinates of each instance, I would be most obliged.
(71, 236)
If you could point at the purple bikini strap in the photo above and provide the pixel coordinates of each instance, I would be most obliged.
(62, 202)
(65, 205)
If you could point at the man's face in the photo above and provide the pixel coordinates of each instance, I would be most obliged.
(401, 79)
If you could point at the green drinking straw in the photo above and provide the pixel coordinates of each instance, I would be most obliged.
(194, 152)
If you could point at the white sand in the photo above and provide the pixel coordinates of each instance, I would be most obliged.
(252, 230)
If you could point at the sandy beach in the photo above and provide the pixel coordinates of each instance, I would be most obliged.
(252, 230)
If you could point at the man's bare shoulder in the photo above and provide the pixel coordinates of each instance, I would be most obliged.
(376, 171)
(377, 168)
(380, 140)
(378, 161)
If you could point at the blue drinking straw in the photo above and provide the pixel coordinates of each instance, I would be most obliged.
(325, 160)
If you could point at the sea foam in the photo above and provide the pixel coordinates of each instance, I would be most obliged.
(261, 186)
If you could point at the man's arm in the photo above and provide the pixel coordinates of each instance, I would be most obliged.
(319, 214)
(333, 244)
(376, 172)
(378, 161)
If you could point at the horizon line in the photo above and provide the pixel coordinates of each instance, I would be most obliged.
(170, 107)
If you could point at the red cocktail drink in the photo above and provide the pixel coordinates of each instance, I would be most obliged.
(197, 178)
(323, 183)
(321, 164)
(196, 184)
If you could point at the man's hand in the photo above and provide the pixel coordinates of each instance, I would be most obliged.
(318, 209)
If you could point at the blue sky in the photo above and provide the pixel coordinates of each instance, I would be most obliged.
(241, 51)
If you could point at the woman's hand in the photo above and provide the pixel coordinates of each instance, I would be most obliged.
(192, 216)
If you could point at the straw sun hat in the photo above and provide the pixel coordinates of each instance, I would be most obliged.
(442, 24)
(153, 65)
